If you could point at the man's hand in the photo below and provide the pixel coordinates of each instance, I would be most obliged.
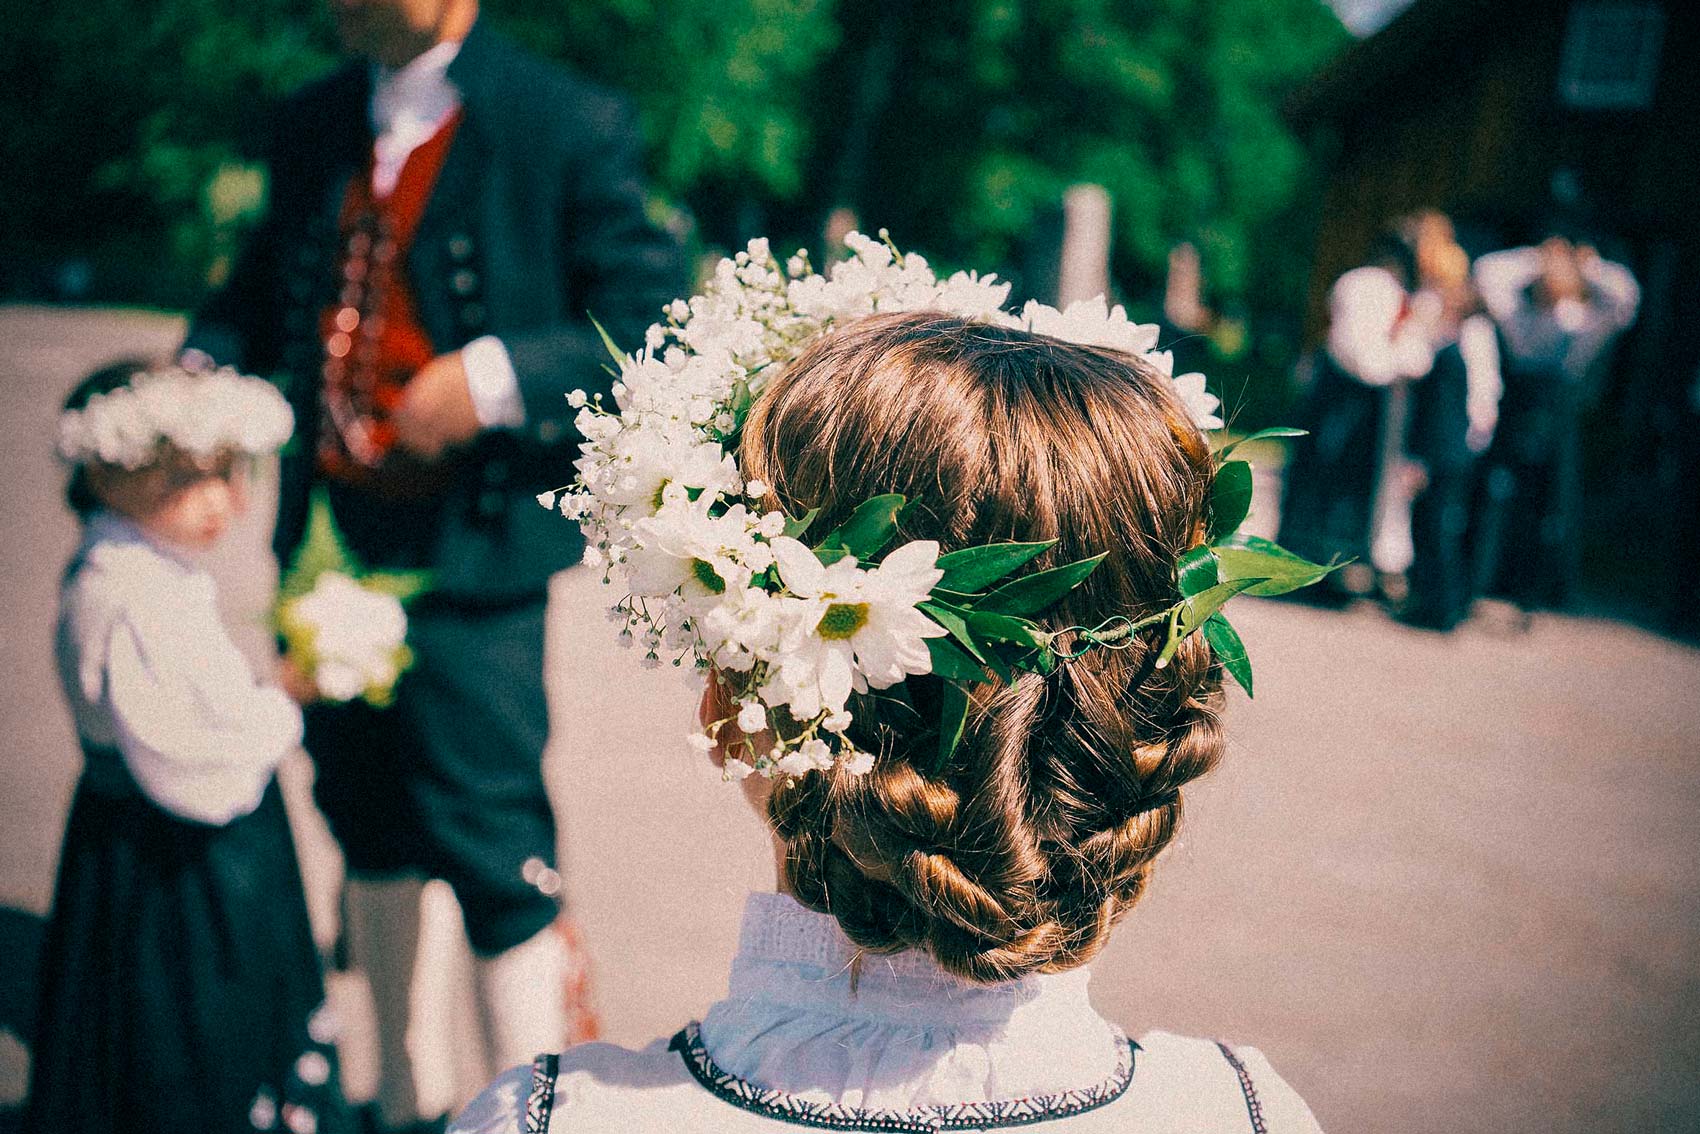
(436, 409)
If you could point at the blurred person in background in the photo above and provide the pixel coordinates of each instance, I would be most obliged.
(1558, 307)
(1453, 412)
(444, 212)
(884, 986)
(1347, 492)
(180, 987)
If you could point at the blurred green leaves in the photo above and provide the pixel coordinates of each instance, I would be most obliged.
(956, 123)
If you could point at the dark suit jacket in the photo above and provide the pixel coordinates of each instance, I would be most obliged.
(536, 223)
(1439, 427)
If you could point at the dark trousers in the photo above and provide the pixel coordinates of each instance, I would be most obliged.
(1528, 542)
(1440, 571)
(448, 780)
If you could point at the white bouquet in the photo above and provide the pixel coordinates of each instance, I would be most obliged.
(343, 627)
(348, 637)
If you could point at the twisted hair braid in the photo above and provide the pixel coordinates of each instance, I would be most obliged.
(1021, 852)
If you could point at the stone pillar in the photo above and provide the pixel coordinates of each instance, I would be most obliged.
(1084, 271)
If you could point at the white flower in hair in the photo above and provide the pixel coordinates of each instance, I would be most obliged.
(857, 763)
(200, 413)
(752, 717)
(684, 549)
(1090, 322)
(1200, 403)
(662, 502)
(856, 628)
(743, 628)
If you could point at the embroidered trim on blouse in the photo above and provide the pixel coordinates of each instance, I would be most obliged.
(541, 1101)
(787, 1107)
(1252, 1105)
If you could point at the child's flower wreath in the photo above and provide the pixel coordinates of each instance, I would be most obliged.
(199, 413)
(808, 618)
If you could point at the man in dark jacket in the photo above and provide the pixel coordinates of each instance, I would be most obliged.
(446, 215)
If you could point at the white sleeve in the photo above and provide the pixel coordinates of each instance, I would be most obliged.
(1616, 296)
(499, 1108)
(1284, 1112)
(492, 383)
(1366, 335)
(1480, 348)
(1502, 278)
(199, 737)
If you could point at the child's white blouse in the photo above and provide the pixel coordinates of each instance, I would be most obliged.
(806, 1038)
(150, 673)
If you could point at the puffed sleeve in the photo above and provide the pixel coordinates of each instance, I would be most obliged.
(1480, 349)
(499, 1108)
(1368, 333)
(1503, 277)
(200, 738)
(1614, 293)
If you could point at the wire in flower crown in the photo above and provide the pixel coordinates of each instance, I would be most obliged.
(805, 617)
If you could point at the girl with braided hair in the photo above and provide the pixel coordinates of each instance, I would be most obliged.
(924, 963)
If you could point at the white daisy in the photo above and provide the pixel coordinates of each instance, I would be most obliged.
(857, 628)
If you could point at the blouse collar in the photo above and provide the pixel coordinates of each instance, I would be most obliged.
(109, 528)
(896, 1032)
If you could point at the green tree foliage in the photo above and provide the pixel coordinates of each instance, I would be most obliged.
(125, 121)
(957, 123)
(721, 88)
(995, 106)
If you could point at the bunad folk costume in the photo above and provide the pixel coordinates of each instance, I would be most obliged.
(482, 200)
(814, 1035)
(925, 966)
(180, 983)
(1528, 546)
(1453, 414)
(1337, 503)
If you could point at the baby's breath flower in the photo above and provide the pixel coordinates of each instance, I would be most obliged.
(856, 763)
(721, 583)
(794, 763)
(752, 717)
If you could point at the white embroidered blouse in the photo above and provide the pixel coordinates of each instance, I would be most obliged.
(1375, 332)
(808, 1038)
(151, 674)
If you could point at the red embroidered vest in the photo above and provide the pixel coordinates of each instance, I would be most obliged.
(374, 342)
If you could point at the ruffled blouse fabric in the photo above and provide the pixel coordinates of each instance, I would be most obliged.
(151, 674)
(810, 1014)
(812, 1037)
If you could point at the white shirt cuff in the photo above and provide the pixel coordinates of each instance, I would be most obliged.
(491, 381)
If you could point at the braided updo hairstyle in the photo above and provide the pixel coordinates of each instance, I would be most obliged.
(1022, 853)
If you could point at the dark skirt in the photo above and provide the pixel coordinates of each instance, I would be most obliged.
(1329, 485)
(180, 986)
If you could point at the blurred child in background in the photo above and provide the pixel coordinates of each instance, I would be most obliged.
(180, 987)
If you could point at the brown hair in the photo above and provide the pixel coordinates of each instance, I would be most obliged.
(93, 484)
(1040, 833)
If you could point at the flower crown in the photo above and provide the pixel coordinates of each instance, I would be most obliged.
(197, 412)
(810, 617)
